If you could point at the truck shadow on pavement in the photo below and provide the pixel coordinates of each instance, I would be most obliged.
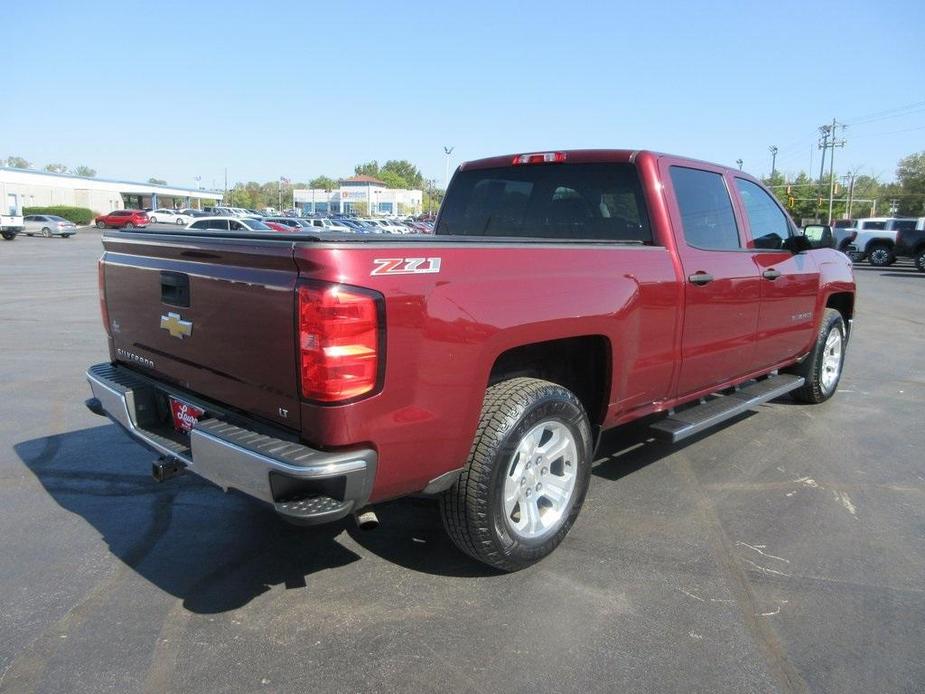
(217, 552)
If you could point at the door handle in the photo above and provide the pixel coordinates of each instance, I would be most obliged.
(700, 278)
(771, 274)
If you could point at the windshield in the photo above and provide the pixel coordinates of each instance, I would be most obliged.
(55, 218)
(563, 201)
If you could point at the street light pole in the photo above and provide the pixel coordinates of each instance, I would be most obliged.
(773, 151)
(446, 175)
(739, 162)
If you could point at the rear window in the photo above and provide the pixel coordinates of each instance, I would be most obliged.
(599, 202)
(904, 225)
(874, 225)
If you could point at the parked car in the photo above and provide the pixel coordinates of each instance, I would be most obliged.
(164, 215)
(228, 224)
(325, 224)
(48, 225)
(11, 219)
(626, 286)
(276, 226)
(122, 219)
(872, 239)
(910, 243)
(191, 212)
(293, 223)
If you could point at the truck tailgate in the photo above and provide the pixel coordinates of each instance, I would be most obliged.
(212, 315)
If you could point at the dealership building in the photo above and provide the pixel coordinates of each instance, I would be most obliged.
(359, 193)
(30, 188)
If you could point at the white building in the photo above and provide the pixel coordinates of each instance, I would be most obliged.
(357, 193)
(42, 189)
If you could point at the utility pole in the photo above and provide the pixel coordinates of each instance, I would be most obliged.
(773, 150)
(739, 162)
(225, 196)
(851, 176)
(824, 145)
(833, 143)
(446, 176)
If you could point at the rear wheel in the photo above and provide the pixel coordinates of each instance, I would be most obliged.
(153, 220)
(881, 256)
(129, 225)
(823, 367)
(180, 221)
(526, 476)
(920, 261)
(46, 232)
(8, 235)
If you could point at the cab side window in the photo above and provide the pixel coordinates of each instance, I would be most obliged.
(706, 210)
(767, 222)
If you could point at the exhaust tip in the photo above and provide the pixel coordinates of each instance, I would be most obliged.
(366, 519)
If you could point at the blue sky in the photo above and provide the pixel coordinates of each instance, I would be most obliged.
(183, 89)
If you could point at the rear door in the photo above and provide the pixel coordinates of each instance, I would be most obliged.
(214, 316)
(789, 283)
(721, 279)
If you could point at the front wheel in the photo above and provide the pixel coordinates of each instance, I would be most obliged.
(180, 221)
(8, 235)
(46, 232)
(823, 367)
(153, 220)
(526, 476)
(101, 225)
(920, 261)
(129, 225)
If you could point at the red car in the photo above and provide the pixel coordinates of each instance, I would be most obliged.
(276, 226)
(122, 219)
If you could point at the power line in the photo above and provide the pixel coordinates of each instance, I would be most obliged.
(915, 104)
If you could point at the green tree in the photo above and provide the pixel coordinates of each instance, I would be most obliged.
(55, 168)
(157, 181)
(392, 179)
(323, 183)
(18, 163)
(910, 175)
(406, 171)
(84, 171)
(370, 168)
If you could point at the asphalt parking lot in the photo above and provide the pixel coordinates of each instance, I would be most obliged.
(782, 552)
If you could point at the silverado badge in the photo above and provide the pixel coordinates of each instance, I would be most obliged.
(176, 326)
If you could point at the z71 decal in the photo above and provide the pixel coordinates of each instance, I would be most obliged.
(405, 266)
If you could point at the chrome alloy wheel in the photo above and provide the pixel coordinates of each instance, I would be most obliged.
(831, 360)
(540, 481)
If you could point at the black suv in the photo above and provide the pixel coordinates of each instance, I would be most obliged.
(910, 243)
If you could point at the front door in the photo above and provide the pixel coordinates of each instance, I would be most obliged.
(721, 280)
(789, 282)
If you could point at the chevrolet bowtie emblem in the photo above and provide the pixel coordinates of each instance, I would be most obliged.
(176, 326)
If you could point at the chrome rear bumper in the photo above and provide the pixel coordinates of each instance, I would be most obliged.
(304, 484)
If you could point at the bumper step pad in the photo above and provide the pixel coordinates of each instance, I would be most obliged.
(681, 425)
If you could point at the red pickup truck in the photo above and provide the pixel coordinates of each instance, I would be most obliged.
(561, 294)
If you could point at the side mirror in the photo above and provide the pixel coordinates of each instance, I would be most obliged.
(798, 243)
(817, 236)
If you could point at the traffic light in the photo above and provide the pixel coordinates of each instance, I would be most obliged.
(790, 201)
(788, 191)
(820, 200)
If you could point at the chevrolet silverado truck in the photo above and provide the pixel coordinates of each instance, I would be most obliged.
(563, 293)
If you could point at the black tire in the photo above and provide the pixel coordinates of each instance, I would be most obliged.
(8, 235)
(881, 256)
(46, 232)
(815, 389)
(180, 221)
(129, 225)
(473, 508)
(101, 225)
(920, 261)
(153, 220)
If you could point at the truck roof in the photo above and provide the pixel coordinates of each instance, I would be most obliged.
(588, 156)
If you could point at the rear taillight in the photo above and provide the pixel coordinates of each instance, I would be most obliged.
(539, 158)
(339, 342)
(101, 282)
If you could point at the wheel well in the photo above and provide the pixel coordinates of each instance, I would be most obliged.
(873, 243)
(843, 302)
(581, 364)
